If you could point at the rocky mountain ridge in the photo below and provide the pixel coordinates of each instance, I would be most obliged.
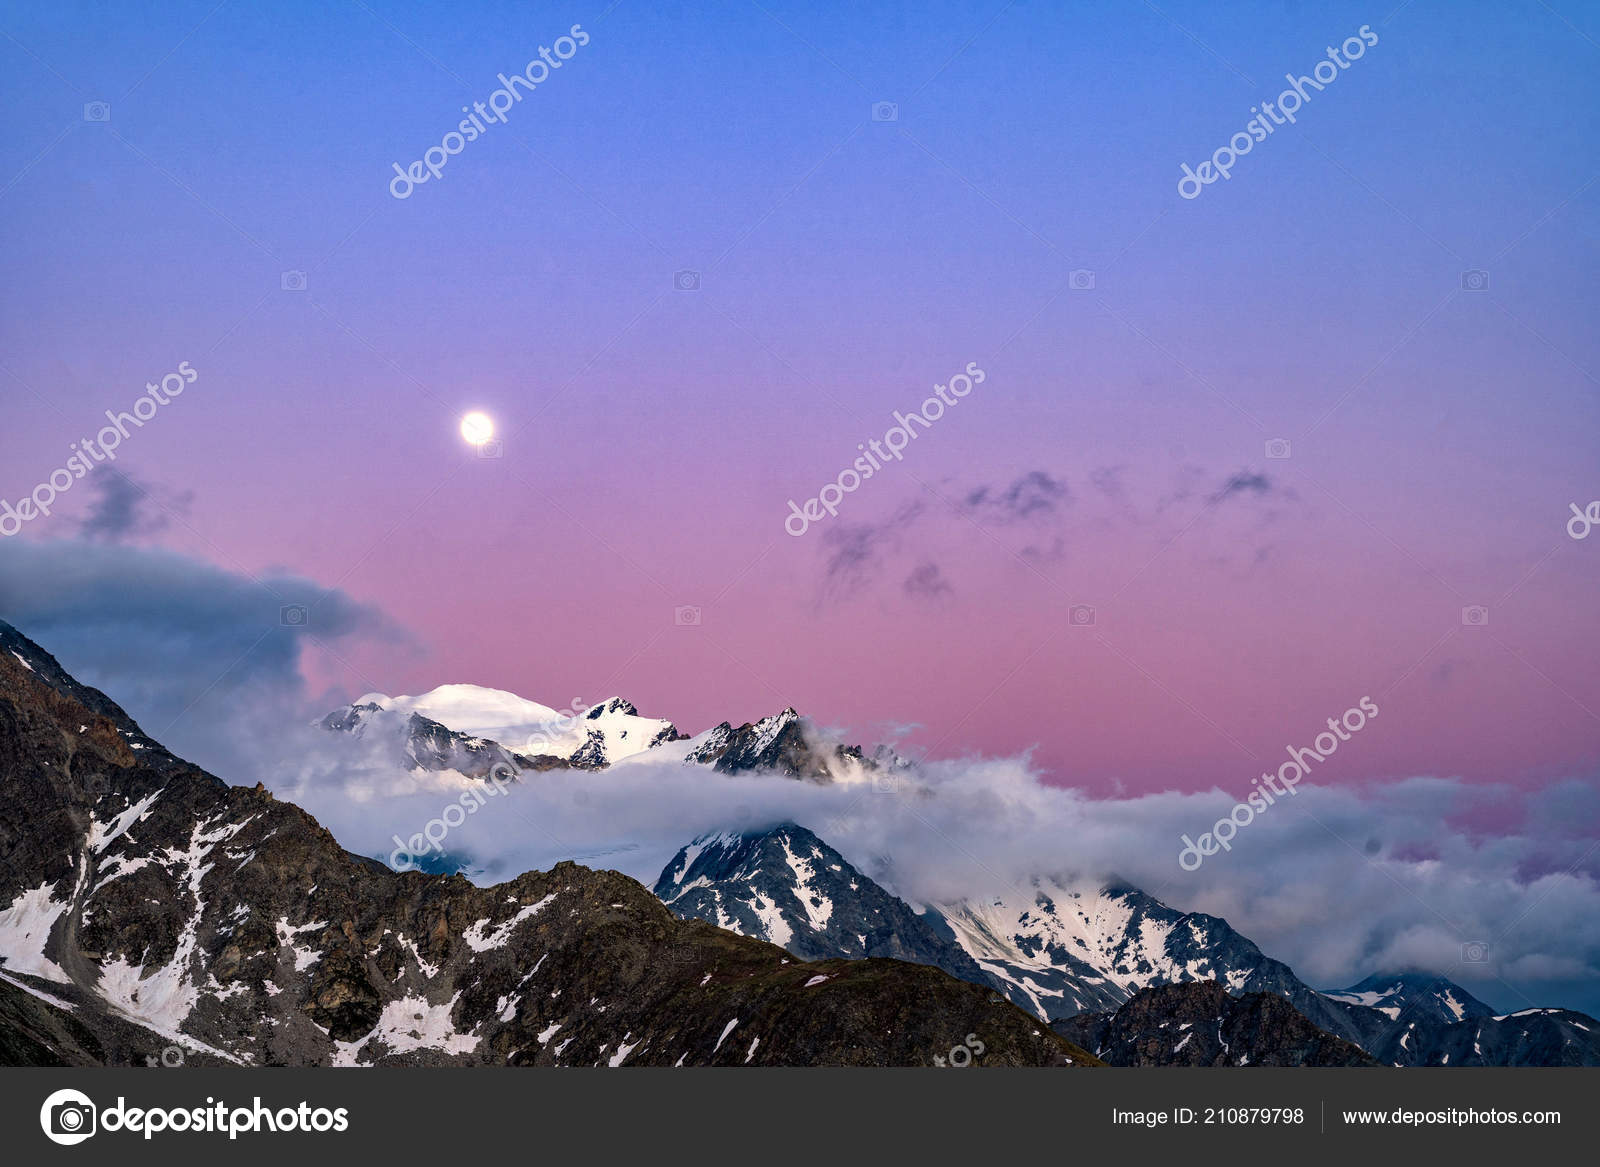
(1061, 949)
(1199, 1023)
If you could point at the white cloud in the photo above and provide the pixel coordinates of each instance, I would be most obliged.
(1339, 883)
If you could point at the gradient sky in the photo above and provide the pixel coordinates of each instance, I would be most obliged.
(653, 436)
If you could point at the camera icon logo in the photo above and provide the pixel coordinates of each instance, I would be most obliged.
(68, 1117)
(1081, 280)
(293, 281)
(885, 111)
(885, 783)
(493, 448)
(1080, 615)
(686, 281)
(1475, 952)
(293, 615)
(1278, 448)
(1475, 616)
(97, 111)
(1476, 280)
(686, 616)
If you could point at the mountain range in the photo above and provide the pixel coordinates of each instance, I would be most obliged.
(145, 903)
(470, 729)
(1058, 947)
(150, 909)
(1060, 950)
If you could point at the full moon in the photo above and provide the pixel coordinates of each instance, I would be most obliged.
(477, 428)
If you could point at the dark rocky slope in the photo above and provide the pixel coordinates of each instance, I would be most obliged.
(1199, 1024)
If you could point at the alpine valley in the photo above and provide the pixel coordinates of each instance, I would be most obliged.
(149, 910)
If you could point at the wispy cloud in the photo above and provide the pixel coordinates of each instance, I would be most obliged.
(1034, 495)
(927, 582)
(855, 550)
(1244, 482)
(124, 508)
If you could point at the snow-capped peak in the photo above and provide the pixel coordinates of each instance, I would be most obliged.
(1415, 994)
(613, 730)
(440, 724)
(475, 710)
